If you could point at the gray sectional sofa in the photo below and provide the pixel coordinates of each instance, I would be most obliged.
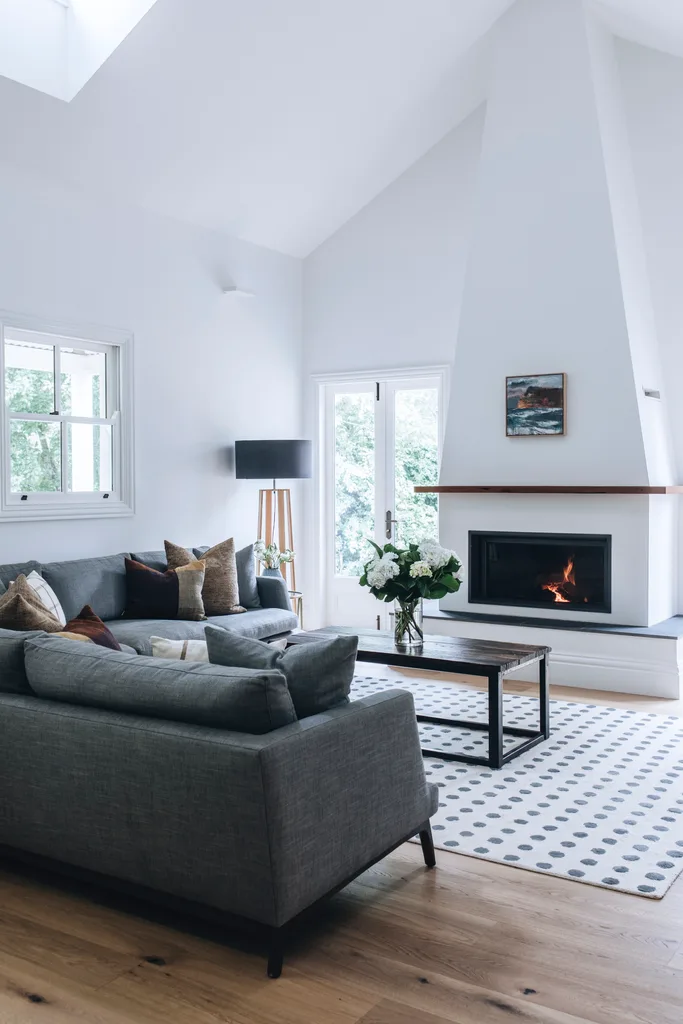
(196, 784)
(101, 583)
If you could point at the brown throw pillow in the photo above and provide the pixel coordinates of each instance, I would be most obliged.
(220, 592)
(89, 626)
(174, 594)
(22, 609)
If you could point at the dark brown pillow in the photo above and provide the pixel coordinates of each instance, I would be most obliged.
(174, 594)
(89, 625)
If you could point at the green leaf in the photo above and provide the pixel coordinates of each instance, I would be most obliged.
(376, 547)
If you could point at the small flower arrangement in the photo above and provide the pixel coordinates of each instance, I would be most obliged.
(271, 556)
(407, 576)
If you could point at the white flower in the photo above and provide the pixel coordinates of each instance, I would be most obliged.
(434, 555)
(381, 569)
(420, 569)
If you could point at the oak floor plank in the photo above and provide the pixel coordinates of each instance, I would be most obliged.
(389, 1012)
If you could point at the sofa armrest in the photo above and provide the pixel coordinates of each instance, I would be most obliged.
(273, 592)
(341, 788)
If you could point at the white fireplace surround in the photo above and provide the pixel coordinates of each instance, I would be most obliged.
(643, 531)
(638, 658)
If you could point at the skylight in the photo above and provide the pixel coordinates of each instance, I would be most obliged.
(56, 46)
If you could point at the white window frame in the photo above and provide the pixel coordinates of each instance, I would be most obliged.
(118, 347)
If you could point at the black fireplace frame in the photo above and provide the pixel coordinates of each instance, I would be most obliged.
(476, 556)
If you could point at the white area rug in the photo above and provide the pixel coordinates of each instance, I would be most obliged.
(601, 801)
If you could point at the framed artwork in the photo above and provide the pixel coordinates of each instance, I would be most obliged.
(535, 404)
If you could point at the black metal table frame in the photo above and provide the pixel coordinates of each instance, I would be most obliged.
(497, 730)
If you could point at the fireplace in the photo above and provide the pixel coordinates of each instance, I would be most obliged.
(565, 572)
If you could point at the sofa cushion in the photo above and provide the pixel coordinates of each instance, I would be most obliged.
(260, 623)
(9, 572)
(22, 609)
(179, 650)
(12, 672)
(174, 594)
(153, 559)
(91, 627)
(246, 575)
(210, 695)
(220, 592)
(99, 582)
(319, 674)
(46, 595)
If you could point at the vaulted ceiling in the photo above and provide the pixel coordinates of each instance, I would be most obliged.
(274, 121)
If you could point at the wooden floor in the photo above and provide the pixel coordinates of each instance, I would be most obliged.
(471, 942)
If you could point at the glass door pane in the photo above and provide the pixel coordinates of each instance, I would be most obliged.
(354, 481)
(416, 461)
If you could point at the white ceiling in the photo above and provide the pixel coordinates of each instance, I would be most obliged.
(273, 120)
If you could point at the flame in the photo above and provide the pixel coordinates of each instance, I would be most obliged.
(567, 578)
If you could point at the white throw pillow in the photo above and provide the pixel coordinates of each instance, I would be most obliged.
(180, 650)
(46, 595)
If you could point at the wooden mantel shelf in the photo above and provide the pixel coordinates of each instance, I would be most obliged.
(537, 489)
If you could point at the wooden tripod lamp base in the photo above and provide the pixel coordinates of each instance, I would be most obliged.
(275, 525)
(275, 460)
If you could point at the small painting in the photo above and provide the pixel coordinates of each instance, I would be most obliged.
(535, 404)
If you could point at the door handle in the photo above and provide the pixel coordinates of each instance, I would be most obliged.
(388, 521)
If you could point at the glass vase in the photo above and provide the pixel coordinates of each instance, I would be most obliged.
(408, 631)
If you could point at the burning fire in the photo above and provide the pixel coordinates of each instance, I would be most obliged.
(568, 580)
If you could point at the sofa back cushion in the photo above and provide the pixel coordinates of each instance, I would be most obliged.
(12, 671)
(152, 559)
(319, 674)
(99, 582)
(9, 572)
(200, 694)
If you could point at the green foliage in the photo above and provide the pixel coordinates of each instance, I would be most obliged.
(36, 446)
(416, 462)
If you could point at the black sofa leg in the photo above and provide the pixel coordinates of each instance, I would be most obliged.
(428, 846)
(276, 952)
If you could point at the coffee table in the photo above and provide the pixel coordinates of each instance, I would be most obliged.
(486, 658)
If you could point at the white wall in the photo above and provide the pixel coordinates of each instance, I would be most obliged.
(208, 368)
(384, 291)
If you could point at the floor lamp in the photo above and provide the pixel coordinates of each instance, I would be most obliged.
(275, 460)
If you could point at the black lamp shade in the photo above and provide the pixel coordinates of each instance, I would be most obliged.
(273, 460)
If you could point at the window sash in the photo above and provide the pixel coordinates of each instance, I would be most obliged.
(117, 499)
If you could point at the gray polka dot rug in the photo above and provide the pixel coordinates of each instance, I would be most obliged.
(600, 802)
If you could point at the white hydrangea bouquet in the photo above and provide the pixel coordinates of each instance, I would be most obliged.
(407, 576)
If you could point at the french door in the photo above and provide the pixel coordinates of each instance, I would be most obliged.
(382, 437)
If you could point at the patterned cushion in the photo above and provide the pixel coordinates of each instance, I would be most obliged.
(179, 650)
(220, 593)
(22, 609)
(319, 675)
(46, 595)
(174, 594)
(91, 627)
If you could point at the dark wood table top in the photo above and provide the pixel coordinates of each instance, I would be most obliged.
(444, 653)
